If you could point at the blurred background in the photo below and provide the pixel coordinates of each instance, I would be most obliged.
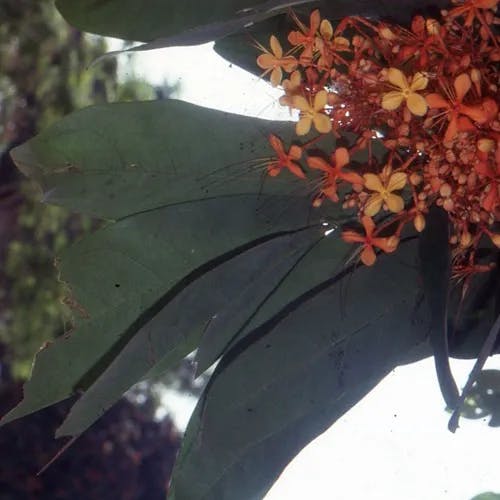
(129, 454)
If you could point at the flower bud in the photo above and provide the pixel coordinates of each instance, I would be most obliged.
(495, 238)
(445, 190)
(448, 204)
(475, 75)
(485, 145)
(465, 239)
(415, 179)
(419, 223)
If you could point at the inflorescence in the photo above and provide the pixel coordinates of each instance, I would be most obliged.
(429, 94)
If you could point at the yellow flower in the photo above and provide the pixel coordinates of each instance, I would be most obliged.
(384, 193)
(274, 62)
(310, 114)
(407, 92)
(291, 88)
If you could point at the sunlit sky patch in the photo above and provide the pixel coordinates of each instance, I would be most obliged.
(205, 79)
(394, 445)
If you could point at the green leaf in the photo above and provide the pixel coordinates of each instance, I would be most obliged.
(319, 262)
(289, 379)
(120, 159)
(487, 496)
(152, 19)
(276, 450)
(123, 274)
(213, 31)
(179, 217)
(176, 330)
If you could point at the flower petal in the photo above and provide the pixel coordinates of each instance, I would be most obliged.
(303, 125)
(301, 103)
(331, 192)
(341, 43)
(319, 164)
(490, 107)
(451, 131)
(394, 203)
(373, 182)
(315, 20)
(491, 199)
(326, 29)
(288, 63)
(320, 100)
(486, 4)
(296, 170)
(286, 100)
(295, 152)
(388, 245)
(276, 144)
(462, 85)
(465, 125)
(368, 256)
(295, 38)
(351, 178)
(396, 77)
(417, 104)
(295, 79)
(397, 181)
(419, 82)
(476, 113)
(436, 101)
(368, 224)
(374, 204)
(276, 76)
(276, 47)
(273, 169)
(341, 157)
(392, 100)
(266, 61)
(322, 123)
(352, 237)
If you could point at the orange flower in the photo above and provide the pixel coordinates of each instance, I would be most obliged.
(328, 45)
(368, 256)
(284, 159)
(312, 113)
(333, 172)
(306, 37)
(384, 187)
(458, 114)
(274, 61)
(407, 92)
(421, 42)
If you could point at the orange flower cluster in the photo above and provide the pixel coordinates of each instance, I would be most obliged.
(429, 94)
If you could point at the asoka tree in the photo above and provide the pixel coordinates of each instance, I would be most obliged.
(237, 237)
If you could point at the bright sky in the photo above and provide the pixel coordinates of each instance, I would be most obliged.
(394, 445)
